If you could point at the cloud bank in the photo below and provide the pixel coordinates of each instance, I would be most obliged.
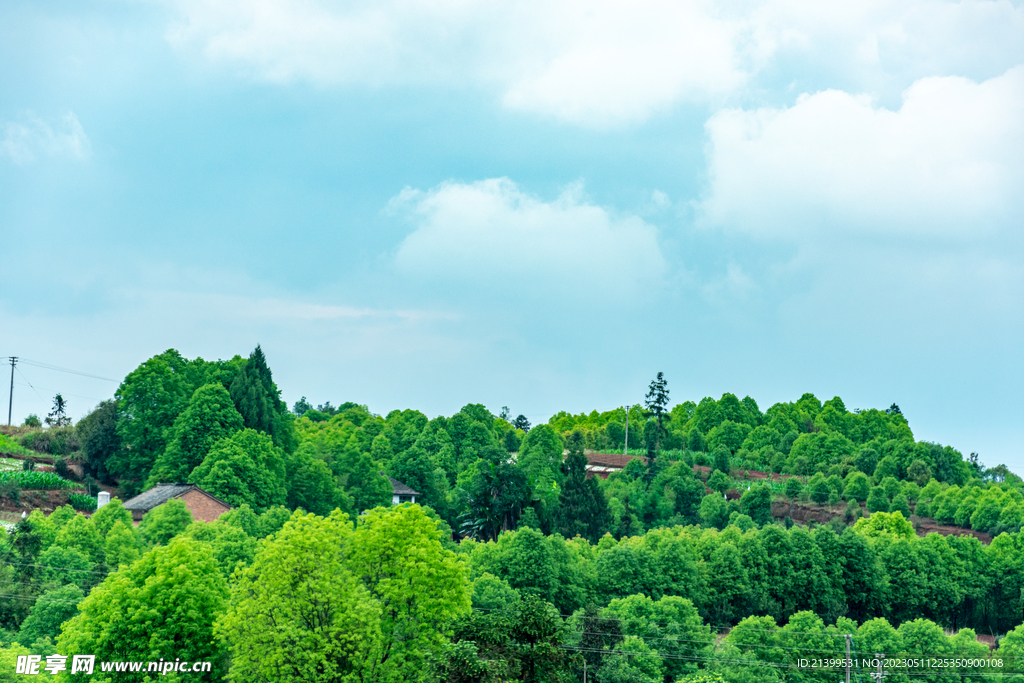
(949, 163)
(495, 237)
(600, 63)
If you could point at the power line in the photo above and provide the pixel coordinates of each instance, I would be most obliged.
(47, 366)
(30, 385)
(62, 393)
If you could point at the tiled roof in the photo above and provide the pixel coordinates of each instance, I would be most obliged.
(400, 489)
(159, 494)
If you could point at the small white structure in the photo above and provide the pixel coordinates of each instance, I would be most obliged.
(400, 493)
(102, 498)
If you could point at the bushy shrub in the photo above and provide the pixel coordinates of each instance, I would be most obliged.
(11, 491)
(53, 441)
(60, 466)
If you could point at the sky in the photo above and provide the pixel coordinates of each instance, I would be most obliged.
(540, 205)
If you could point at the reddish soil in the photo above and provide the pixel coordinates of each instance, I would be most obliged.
(822, 514)
(47, 501)
(925, 526)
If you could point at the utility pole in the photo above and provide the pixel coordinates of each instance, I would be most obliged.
(10, 397)
(625, 447)
(848, 636)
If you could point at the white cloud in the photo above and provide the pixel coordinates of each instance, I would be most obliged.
(23, 141)
(949, 162)
(603, 63)
(493, 235)
(594, 63)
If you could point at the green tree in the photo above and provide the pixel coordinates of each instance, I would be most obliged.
(97, 433)
(793, 487)
(163, 606)
(582, 508)
(148, 401)
(901, 505)
(729, 434)
(121, 545)
(720, 459)
(695, 440)
(719, 481)
(633, 661)
(258, 400)
(656, 402)
(891, 487)
(301, 596)
(887, 467)
(51, 609)
(58, 416)
(61, 565)
(524, 643)
(919, 472)
(671, 625)
(497, 492)
(492, 593)
(232, 548)
(80, 534)
(164, 522)
(857, 487)
(818, 489)
(245, 468)
(892, 525)
(540, 456)
(110, 514)
(360, 479)
(209, 417)
(311, 484)
(419, 585)
(713, 511)
(728, 584)
(757, 502)
(877, 500)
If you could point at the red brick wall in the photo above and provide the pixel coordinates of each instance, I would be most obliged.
(203, 507)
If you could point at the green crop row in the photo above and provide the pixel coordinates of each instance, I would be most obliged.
(35, 479)
(81, 501)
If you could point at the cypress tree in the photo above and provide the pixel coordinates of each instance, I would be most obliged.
(582, 508)
(258, 401)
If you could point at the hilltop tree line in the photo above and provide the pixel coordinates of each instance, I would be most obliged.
(223, 426)
(559, 567)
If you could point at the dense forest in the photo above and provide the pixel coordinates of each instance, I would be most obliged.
(515, 564)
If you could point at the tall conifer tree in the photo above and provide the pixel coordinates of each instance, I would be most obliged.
(582, 508)
(258, 401)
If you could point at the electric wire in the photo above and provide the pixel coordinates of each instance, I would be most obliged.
(29, 383)
(47, 366)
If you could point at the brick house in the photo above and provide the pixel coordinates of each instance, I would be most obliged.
(204, 506)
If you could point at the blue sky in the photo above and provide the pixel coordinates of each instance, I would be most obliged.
(537, 204)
